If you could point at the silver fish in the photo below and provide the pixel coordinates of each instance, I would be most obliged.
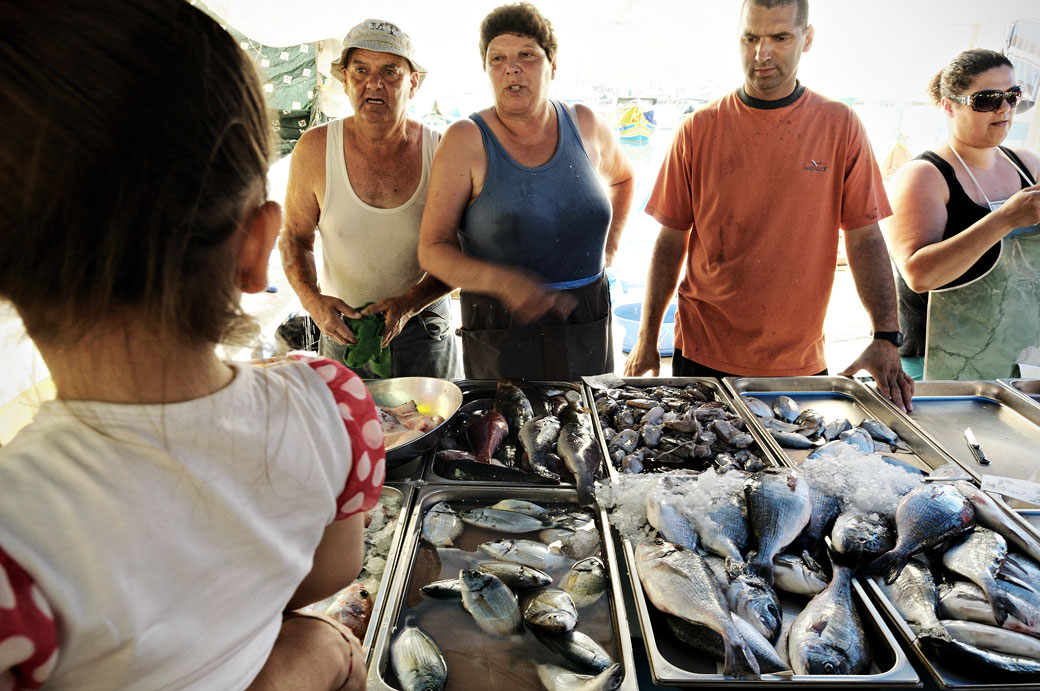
(580, 452)
(526, 552)
(722, 523)
(556, 678)
(538, 438)
(550, 609)
(446, 589)
(793, 575)
(989, 515)
(967, 601)
(576, 544)
(754, 601)
(785, 408)
(679, 582)
(664, 513)
(827, 637)
(811, 422)
(441, 525)
(879, 431)
(916, 598)
(575, 649)
(771, 424)
(779, 506)
(503, 521)
(925, 516)
(978, 557)
(832, 429)
(792, 440)
(417, 661)
(994, 638)
(757, 406)
(862, 535)
(971, 658)
(521, 506)
(516, 576)
(490, 601)
(586, 581)
(859, 438)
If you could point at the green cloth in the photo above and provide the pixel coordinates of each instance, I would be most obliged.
(914, 367)
(369, 348)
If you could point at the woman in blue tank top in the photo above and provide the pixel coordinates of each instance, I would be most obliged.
(525, 209)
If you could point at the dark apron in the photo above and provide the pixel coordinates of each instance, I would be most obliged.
(551, 349)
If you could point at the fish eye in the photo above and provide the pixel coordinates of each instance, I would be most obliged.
(828, 667)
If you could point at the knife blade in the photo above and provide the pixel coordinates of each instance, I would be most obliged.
(974, 447)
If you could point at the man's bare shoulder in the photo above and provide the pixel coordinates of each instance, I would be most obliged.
(312, 142)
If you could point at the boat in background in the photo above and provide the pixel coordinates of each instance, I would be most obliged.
(635, 125)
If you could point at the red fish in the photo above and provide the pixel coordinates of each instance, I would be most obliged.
(352, 608)
(485, 430)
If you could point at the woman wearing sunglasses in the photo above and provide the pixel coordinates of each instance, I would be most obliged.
(963, 232)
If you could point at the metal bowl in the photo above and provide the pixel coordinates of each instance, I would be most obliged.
(431, 395)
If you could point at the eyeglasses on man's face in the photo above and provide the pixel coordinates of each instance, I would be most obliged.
(989, 100)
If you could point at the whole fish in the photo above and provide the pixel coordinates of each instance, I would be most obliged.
(967, 601)
(879, 431)
(444, 589)
(859, 438)
(978, 557)
(779, 506)
(586, 581)
(972, 659)
(441, 525)
(485, 431)
(827, 637)
(862, 535)
(925, 516)
(773, 424)
(526, 552)
(550, 609)
(522, 506)
(516, 576)
(706, 641)
(812, 423)
(417, 661)
(352, 607)
(503, 521)
(916, 598)
(576, 544)
(556, 678)
(490, 601)
(793, 575)
(664, 513)
(785, 408)
(538, 439)
(994, 638)
(581, 455)
(757, 406)
(722, 523)
(679, 582)
(792, 440)
(989, 515)
(513, 405)
(832, 429)
(575, 649)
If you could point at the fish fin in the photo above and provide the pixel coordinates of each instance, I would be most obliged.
(740, 660)
(1004, 607)
(934, 634)
(810, 562)
(1015, 580)
(890, 564)
(760, 567)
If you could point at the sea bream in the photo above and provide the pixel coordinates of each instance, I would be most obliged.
(491, 602)
(538, 438)
(582, 456)
(827, 637)
(967, 601)
(526, 552)
(417, 661)
(556, 678)
(441, 525)
(978, 556)
(779, 506)
(916, 598)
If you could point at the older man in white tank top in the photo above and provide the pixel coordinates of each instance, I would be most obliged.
(361, 182)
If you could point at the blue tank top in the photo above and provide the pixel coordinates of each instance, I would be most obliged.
(551, 220)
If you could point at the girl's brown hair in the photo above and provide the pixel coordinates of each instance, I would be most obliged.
(956, 77)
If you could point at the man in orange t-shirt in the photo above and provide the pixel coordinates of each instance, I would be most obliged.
(751, 196)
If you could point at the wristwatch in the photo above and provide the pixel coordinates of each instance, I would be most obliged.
(893, 337)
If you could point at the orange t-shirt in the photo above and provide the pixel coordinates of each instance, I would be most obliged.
(763, 193)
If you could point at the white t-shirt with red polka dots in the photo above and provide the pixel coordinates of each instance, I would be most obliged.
(155, 546)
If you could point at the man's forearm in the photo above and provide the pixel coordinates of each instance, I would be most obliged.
(299, 267)
(665, 267)
(872, 272)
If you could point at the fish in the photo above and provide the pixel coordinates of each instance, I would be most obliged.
(441, 525)
(722, 523)
(538, 439)
(627, 440)
(832, 429)
(575, 649)
(812, 423)
(827, 637)
(580, 452)
(679, 582)
(352, 607)
(575, 543)
(970, 659)
(444, 589)
(706, 641)
(485, 431)
(967, 601)
(754, 601)
(779, 506)
(792, 440)
(503, 521)
(586, 581)
(731, 435)
(916, 598)
(512, 403)
(793, 575)
(664, 514)
(522, 506)
(492, 604)
(417, 661)
(551, 609)
(825, 508)
(526, 552)
(860, 534)
(556, 678)
(994, 638)
(898, 463)
(978, 557)
(785, 408)
(989, 515)
(859, 438)
(925, 516)
(516, 576)
(757, 406)
(879, 431)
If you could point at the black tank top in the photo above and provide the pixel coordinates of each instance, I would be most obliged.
(961, 213)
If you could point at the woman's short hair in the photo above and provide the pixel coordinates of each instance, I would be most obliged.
(956, 78)
(135, 134)
(523, 19)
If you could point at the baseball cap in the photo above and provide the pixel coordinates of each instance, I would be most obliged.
(380, 36)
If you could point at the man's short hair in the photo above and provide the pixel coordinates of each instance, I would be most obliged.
(801, 18)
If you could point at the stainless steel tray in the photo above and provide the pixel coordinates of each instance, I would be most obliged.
(835, 397)
(1032, 517)
(474, 389)
(675, 665)
(611, 610)
(769, 454)
(1027, 387)
(1006, 425)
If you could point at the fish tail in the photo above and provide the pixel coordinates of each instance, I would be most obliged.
(586, 495)
(740, 659)
(1004, 607)
(890, 564)
(760, 567)
(934, 634)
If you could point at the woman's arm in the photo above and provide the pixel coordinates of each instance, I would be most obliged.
(337, 561)
(615, 169)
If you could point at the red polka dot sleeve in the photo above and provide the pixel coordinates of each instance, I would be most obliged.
(28, 635)
(368, 465)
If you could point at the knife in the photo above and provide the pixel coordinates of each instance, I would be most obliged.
(973, 445)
